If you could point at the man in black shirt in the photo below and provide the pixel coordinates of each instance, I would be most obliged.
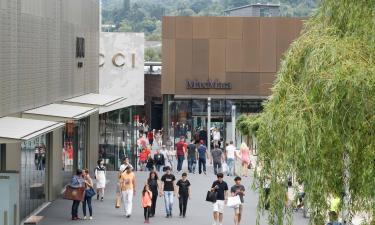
(192, 156)
(221, 188)
(168, 190)
(184, 193)
(238, 189)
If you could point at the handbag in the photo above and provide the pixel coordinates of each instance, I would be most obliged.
(224, 167)
(211, 196)
(234, 201)
(118, 201)
(90, 192)
(75, 194)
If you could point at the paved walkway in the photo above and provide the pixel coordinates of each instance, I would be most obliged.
(199, 211)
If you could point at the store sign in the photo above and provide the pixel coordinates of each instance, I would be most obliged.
(118, 60)
(209, 84)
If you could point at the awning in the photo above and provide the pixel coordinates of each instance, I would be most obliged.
(95, 100)
(14, 129)
(59, 112)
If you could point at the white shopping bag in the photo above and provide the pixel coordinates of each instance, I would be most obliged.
(224, 167)
(234, 201)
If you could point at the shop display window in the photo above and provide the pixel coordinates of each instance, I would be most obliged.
(33, 174)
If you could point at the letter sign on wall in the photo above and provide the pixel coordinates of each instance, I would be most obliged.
(118, 60)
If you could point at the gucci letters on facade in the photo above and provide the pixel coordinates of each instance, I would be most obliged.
(209, 84)
(118, 60)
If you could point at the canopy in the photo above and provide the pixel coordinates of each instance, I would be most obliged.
(14, 129)
(59, 112)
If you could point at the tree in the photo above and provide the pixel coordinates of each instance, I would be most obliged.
(319, 123)
(125, 26)
(152, 54)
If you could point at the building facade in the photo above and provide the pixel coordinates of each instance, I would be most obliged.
(120, 74)
(226, 63)
(48, 53)
(255, 10)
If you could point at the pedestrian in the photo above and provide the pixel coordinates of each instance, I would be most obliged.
(183, 194)
(89, 185)
(216, 136)
(168, 188)
(170, 156)
(76, 182)
(150, 163)
(154, 184)
(202, 157)
(143, 156)
(245, 158)
(217, 158)
(100, 176)
(146, 202)
(159, 160)
(181, 152)
(192, 156)
(150, 136)
(230, 155)
(221, 189)
(127, 186)
(238, 190)
(125, 164)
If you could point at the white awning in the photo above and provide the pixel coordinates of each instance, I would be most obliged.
(59, 112)
(95, 100)
(14, 129)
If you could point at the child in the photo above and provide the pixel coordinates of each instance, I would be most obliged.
(184, 193)
(146, 202)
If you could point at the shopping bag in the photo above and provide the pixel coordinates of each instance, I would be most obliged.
(224, 167)
(234, 201)
(90, 192)
(118, 201)
(76, 194)
(211, 196)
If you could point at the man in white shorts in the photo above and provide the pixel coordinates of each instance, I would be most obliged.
(221, 188)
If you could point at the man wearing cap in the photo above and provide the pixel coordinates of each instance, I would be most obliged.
(127, 187)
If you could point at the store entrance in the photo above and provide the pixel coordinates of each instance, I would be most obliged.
(200, 128)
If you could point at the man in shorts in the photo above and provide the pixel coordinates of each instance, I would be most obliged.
(221, 188)
(238, 189)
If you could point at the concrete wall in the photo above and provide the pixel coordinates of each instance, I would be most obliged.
(255, 11)
(55, 165)
(38, 63)
(13, 157)
(93, 147)
(122, 75)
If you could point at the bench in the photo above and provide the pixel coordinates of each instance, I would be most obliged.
(33, 220)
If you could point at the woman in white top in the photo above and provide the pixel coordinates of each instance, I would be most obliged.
(100, 176)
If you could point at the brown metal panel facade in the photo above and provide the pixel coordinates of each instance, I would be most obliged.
(201, 27)
(184, 27)
(234, 27)
(184, 56)
(169, 27)
(268, 37)
(242, 51)
(168, 66)
(251, 44)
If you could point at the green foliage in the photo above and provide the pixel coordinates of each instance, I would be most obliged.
(153, 54)
(322, 111)
(248, 124)
(136, 12)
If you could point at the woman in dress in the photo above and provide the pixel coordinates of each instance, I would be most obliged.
(245, 158)
(100, 176)
(154, 184)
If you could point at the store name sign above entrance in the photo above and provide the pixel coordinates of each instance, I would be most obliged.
(209, 84)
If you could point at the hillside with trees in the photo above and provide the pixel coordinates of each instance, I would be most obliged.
(145, 15)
